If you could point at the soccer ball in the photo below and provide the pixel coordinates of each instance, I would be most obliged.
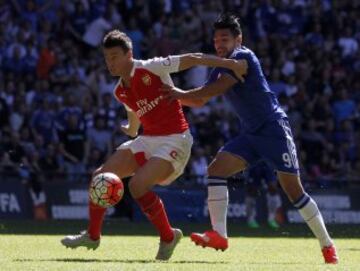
(106, 189)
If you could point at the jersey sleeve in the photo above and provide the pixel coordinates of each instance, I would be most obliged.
(213, 76)
(237, 56)
(163, 65)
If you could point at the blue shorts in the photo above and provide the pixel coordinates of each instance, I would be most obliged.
(272, 142)
(261, 173)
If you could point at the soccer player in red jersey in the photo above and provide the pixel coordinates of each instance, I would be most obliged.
(159, 155)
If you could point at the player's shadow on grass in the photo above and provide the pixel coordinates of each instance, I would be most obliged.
(118, 228)
(80, 260)
(352, 249)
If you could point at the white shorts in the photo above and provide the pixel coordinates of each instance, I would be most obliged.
(175, 148)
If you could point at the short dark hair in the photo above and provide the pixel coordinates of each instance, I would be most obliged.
(117, 38)
(228, 21)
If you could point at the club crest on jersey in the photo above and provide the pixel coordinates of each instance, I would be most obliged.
(146, 80)
(166, 61)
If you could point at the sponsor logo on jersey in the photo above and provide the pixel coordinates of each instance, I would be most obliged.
(146, 106)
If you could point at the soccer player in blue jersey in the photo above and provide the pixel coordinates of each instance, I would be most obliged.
(265, 134)
(261, 175)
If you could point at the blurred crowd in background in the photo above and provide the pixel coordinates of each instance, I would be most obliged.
(59, 120)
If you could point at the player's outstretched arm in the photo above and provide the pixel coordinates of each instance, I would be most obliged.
(201, 94)
(239, 67)
(199, 102)
(131, 129)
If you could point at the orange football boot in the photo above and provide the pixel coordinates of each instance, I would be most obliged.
(210, 239)
(330, 255)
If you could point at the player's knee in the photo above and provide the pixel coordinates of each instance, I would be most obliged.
(293, 192)
(137, 187)
(291, 185)
(226, 165)
(214, 170)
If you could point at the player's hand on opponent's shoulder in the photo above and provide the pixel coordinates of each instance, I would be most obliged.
(126, 129)
(172, 93)
(240, 68)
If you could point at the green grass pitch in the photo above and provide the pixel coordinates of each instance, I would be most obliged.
(29, 245)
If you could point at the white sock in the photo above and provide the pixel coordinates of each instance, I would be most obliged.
(312, 216)
(273, 203)
(250, 207)
(218, 199)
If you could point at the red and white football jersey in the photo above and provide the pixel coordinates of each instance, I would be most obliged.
(157, 115)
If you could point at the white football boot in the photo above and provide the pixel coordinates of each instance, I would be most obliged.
(81, 240)
(166, 249)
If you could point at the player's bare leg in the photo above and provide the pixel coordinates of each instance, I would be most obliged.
(154, 172)
(223, 166)
(122, 163)
(150, 174)
(308, 209)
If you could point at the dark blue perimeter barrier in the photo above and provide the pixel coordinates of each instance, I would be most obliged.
(70, 201)
(15, 200)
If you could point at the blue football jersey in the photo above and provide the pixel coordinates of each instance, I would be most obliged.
(252, 100)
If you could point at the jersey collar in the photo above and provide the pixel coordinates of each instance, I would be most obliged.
(135, 64)
(132, 72)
